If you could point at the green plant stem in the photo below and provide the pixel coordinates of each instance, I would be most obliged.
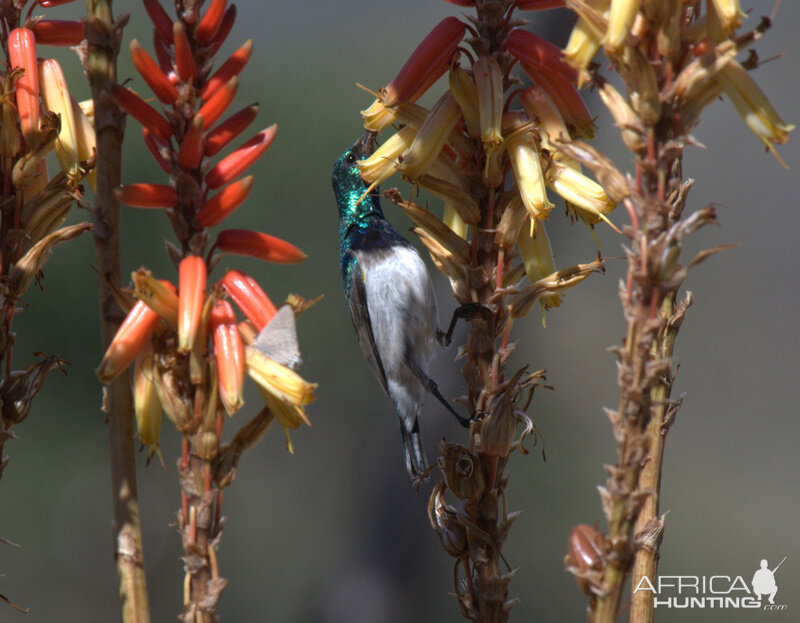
(103, 43)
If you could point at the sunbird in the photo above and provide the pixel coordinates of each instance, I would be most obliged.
(391, 299)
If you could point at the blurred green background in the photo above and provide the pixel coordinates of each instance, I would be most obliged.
(334, 533)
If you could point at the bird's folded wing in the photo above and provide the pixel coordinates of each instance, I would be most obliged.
(359, 313)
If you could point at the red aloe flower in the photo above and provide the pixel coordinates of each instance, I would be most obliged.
(238, 161)
(145, 114)
(160, 19)
(229, 353)
(22, 54)
(224, 203)
(218, 103)
(230, 68)
(426, 64)
(130, 339)
(148, 195)
(58, 32)
(184, 59)
(155, 78)
(539, 53)
(249, 297)
(191, 149)
(212, 20)
(259, 245)
(229, 129)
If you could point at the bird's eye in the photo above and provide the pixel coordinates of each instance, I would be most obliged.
(351, 158)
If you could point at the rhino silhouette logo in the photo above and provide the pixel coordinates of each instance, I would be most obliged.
(764, 580)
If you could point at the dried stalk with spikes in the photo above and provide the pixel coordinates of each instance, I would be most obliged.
(675, 58)
(489, 150)
(37, 117)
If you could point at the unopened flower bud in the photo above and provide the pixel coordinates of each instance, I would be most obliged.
(426, 64)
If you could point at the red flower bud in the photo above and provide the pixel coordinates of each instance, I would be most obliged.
(152, 74)
(184, 59)
(22, 54)
(160, 19)
(224, 30)
(155, 149)
(539, 53)
(147, 195)
(145, 114)
(426, 64)
(230, 68)
(229, 352)
(191, 150)
(249, 297)
(218, 103)
(191, 293)
(235, 163)
(211, 21)
(222, 205)
(259, 245)
(58, 32)
(229, 129)
(130, 339)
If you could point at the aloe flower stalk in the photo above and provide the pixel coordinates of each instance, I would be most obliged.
(196, 358)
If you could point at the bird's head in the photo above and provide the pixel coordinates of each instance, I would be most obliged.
(346, 177)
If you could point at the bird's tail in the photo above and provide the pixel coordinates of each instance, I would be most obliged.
(414, 453)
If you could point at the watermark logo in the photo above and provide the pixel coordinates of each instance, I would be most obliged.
(715, 591)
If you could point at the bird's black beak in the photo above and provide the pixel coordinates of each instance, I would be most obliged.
(366, 144)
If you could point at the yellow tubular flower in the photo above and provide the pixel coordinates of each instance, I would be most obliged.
(526, 164)
(753, 106)
(147, 406)
(489, 84)
(730, 13)
(579, 190)
(377, 117)
(463, 88)
(279, 380)
(385, 162)
(55, 93)
(431, 136)
(452, 219)
(87, 141)
(158, 295)
(537, 257)
(620, 19)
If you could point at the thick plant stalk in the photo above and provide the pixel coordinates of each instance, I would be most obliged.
(675, 59)
(492, 165)
(103, 37)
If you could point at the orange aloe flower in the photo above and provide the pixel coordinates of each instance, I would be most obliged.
(229, 352)
(131, 338)
(191, 295)
(249, 297)
(22, 54)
